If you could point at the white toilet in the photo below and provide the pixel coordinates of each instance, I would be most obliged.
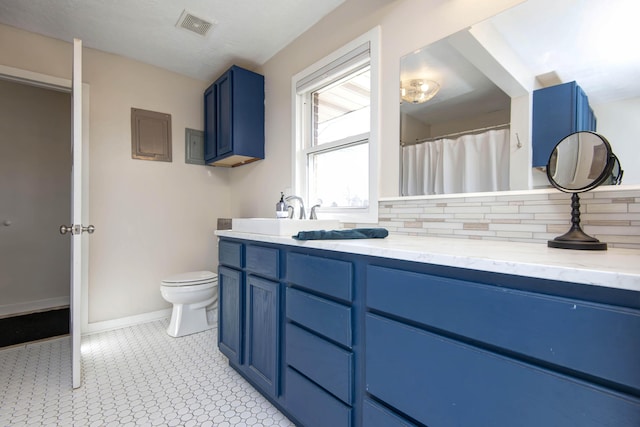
(190, 293)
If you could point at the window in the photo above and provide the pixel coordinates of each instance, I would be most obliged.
(336, 132)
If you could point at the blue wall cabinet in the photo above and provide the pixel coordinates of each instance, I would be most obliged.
(234, 118)
(210, 123)
(365, 342)
(557, 112)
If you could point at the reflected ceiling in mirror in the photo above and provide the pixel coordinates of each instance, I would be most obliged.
(465, 94)
(553, 41)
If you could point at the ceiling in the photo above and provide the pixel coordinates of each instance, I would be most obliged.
(464, 90)
(246, 32)
(590, 41)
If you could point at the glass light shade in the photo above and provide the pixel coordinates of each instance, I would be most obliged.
(418, 91)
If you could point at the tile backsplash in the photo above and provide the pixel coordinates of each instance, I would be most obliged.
(610, 214)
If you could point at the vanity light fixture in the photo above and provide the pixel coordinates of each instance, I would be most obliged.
(418, 91)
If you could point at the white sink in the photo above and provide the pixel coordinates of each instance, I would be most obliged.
(281, 227)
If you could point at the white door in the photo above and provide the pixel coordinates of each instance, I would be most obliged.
(78, 306)
(76, 228)
(76, 212)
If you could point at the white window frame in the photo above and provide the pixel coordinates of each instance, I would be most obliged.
(301, 124)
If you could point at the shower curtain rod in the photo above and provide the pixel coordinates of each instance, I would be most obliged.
(466, 132)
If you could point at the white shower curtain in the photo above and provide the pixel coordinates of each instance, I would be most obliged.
(468, 163)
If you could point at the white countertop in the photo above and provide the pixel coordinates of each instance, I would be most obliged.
(614, 268)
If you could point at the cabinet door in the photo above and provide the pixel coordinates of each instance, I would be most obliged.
(224, 131)
(263, 333)
(554, 117)
(557, 112)
(230, 314)
(210, 109)
(234, 118)
(585, 119)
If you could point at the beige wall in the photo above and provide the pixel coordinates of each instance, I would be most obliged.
(256, 187)
(152, 219)
(35, 197)
(156, 218)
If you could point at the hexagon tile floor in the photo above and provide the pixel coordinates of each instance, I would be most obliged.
(132, 376)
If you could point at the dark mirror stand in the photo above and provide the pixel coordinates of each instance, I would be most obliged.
(579, 152)
(575, 238)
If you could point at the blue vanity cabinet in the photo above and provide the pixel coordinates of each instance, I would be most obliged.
(262, 321)
(320, 373)
(446, 351)
(250, 312)
(234, 118)
(557, 112)
(230, 298)
(340, 339)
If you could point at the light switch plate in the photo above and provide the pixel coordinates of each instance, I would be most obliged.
(194, 146)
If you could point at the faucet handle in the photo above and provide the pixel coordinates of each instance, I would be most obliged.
(313, 215)
(300, 202)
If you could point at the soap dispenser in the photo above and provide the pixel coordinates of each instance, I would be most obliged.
(281, 208)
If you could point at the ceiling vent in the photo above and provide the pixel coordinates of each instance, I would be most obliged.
(192, 23)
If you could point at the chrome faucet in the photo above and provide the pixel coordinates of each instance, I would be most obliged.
(303, 214)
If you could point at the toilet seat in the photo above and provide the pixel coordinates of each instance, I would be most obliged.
(190, 279)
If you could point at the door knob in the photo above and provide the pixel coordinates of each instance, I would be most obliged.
(6, 223)
(76, 229)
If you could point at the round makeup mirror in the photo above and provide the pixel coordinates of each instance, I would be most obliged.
(580, 162)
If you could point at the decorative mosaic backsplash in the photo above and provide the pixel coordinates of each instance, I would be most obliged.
(533, 216)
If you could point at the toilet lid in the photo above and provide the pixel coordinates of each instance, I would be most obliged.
(190, 278)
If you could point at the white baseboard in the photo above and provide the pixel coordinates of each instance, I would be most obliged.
(33, 306)
(109, 325)
(125, 322)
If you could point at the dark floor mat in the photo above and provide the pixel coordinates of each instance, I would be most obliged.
(32, 327)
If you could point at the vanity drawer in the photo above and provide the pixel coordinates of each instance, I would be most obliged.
(375, 415)
(313, 406)
(438, 381)
(326, 364)
(230, 253)
(263, 261)
(322, 275)
(596, 339)
(330, 319)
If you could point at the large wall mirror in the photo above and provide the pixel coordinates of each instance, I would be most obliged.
(466, 100)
